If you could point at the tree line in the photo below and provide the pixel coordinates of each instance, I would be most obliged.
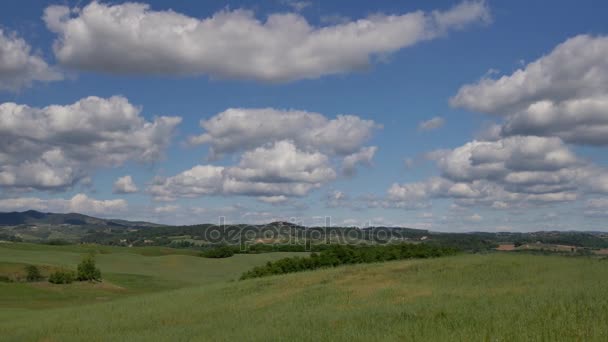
(336, 255)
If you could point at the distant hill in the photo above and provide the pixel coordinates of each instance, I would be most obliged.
(33, 217)
(35, 226)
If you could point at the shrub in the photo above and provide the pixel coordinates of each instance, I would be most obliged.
(32, 273)
(336, 255)
(5, 279)
(61, 277)
(219, 252)
(87, 271)
(58, 242)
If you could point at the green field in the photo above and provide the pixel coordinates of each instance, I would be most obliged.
(170, 297)
(126, 272)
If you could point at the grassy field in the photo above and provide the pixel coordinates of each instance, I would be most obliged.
(126, 272)
(494, 297)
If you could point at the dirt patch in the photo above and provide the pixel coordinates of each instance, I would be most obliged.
(506, 247)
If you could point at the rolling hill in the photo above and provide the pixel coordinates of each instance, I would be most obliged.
(33, 217)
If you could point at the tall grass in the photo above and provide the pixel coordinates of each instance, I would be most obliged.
(498, 297)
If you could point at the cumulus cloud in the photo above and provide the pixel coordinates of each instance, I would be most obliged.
(238, 129)
(268, 172)
(596, 207)
(166, 209)
(273, 199)
(124, 185)
(510, 171)
(19, 66)
(80, 203)
(475, 218)
(562, 94)
(245, 130)
(337, 198)
(234, 44)
(431, 124)
(363, 157)
(53, 147)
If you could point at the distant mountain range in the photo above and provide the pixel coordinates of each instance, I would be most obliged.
(33, 217)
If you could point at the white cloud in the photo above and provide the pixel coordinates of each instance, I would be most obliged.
(337, 198)
(56, 146)
(19, 67)
(124, 185)
(267, 172)
(238, 129)
(283, 153)
(166, 209)
(273, 199)
(197, 181)
(363, 157)
(475, 218)
(510, 171)
(431, 124)
(562, 94)
(80, 203)
(581, 121)
(132, 38)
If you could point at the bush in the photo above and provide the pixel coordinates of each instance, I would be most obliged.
(58, 242)
(61, 277)
(219, 252)
(5, 279)
(87, 271)
(336, 255)
(32, 273)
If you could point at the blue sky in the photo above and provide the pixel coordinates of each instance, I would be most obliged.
(437, 178)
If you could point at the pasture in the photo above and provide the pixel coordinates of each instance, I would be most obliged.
(491, 297)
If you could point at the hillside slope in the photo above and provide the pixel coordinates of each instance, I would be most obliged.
(496, 297)
(33, 217)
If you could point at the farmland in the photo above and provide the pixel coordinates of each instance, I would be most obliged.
(156, 294)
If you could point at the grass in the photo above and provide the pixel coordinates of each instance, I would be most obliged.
(126, 272)
(496, 297)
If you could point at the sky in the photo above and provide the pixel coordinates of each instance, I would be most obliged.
(442, 115)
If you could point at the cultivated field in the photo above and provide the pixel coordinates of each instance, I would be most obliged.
(491, 297)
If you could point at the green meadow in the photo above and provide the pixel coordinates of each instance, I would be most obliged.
(160, 294)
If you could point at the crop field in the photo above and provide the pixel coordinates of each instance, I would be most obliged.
(157, 295)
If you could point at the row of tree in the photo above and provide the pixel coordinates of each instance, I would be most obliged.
(226, 251)
(336, 255)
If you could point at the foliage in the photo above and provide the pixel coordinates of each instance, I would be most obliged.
(5, 279)
(32, 273)
(270, 248)
(7, 237)
(336, 255)
(62, 277)
(58, 242)
(87, 271)
(468, 242)
(219, 252)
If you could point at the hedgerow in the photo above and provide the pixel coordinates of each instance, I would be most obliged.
(336, 255)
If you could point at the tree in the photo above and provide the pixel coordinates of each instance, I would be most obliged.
(219, 252)
(61, 277)
(33, 273)
(87, 271)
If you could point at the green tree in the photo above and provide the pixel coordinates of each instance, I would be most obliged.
(87, 271)
(33, 273)
(61, 277)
